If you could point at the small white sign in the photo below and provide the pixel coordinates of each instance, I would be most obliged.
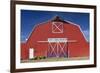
(57, 39)
(31, 53)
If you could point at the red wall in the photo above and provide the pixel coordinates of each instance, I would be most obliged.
(24, 51)
(44, 31)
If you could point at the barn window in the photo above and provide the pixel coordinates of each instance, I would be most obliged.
(57, 27)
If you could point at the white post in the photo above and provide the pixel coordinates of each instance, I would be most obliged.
(31, 53)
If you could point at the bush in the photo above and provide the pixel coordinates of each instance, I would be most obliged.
(38, 58)
(44, 57)
(35, 58)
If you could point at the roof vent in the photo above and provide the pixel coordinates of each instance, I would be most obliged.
(58, 19)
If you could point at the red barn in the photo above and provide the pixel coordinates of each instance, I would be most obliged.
(55, 38)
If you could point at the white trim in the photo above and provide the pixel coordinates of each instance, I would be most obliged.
(57, 27)
(71, 41)
(57, 49)
(57, 40)
(52, 48)
(62, 48)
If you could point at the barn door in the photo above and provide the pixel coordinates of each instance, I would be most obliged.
(57, 47)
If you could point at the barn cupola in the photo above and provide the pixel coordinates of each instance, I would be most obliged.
(57, 25)
(58, 19)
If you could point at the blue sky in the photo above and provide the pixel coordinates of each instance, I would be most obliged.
(30, 18)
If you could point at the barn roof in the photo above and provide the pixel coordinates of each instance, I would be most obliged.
(59, 19)
(55, 19)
